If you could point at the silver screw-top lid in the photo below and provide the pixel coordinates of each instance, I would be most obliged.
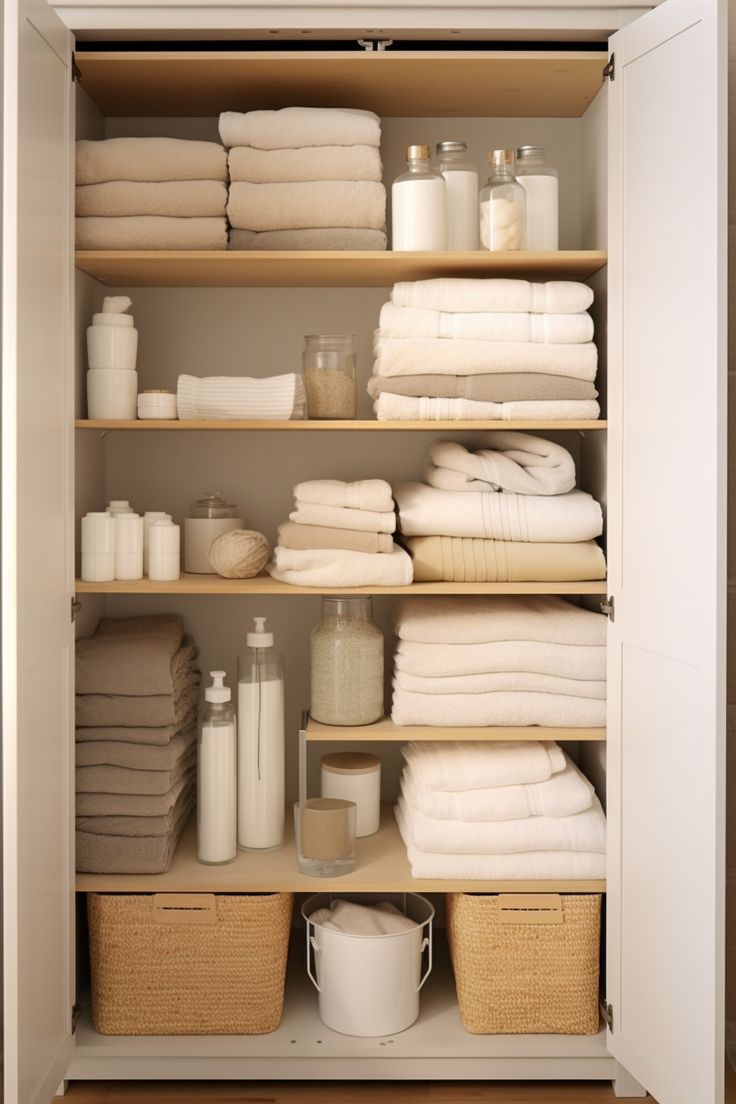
(418, 153)
(502, 158)
(530, 151)
(452, 145)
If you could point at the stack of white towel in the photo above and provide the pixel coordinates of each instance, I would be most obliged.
(505, 513)
(499, 811)
(341, 535)
(506, 660)
(305, 178)
(452, 349)
(151, 193)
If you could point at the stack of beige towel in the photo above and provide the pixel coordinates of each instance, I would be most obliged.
(505, 513)
(341, 535)
(466, 349)
(305, 178)
(151, 193)
(136, 755)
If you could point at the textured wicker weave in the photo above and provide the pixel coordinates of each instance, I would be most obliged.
(221, 978)
(525, 978)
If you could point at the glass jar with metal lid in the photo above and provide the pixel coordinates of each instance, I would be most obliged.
(539, 180)
(346, 651)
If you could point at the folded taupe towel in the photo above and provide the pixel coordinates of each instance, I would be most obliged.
(137, 826)
(144, 805)
(500, 388)
(180, 198)
(348, 203)
(294, 535)
(151, 232)
(281, 166)
(166, 628)
(149, 159)
(97, 854)
(141, 757)
(154, 711)
(133, 666)
(297, 127)
(478, 560)
(155, 737)
(319, 238)
(122, 780)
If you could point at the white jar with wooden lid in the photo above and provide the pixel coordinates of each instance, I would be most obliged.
(355, 776)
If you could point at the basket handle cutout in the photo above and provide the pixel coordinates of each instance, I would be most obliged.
(530, 908)
(184, 908)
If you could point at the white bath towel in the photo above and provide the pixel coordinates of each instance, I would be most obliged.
(176, 198)
(364, 494)
(338, 517)
(411, 356)
(347, 203)
(472, 765)
(407, 408)
(150, 232)
(464, 660)
(504, 296)
(500, 709)
(341, 568)
(297, 127)
(510, 461)
(557, 329)
(278, 398)
(522, 617)
(149, 159)
(319, 238)
(280, 166)
(350, 918)
(585, 831)
(427, 511)
(491, 682)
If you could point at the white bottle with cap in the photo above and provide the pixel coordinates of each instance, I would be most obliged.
(98, 547)
(164, 561)
(261, 767)
(461, 181)
(148, 519)
(418, 205)
(217, 775)
(128, 546)
(112, 347)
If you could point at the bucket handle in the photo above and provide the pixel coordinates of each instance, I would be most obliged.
(427, 943)
(311, 944)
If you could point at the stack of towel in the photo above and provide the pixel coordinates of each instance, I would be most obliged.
(499, 811)
(506, 513)
(485, 349)
(305, 178)
(151, 193)
(137, 691)
(506, 660)
(341, 534)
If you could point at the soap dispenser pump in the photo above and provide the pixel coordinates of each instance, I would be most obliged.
(261, 751)
(217, 775)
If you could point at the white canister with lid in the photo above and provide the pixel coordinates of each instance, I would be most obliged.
(148, 519)
(157, 404)
(98, 548)
(539, 180)
(128, 546)
(355, 776)
(163, 551)
(112, 339)
(211, 516)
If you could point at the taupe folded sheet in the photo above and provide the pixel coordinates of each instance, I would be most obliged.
(98, 710)
(138, 805)
(130, 667)
(504, 387)
(156, 737)
(167, 628)
(127, 854)
(319, 238)
(150, 232)
(149, 159)
(124, 780)
(180, 198)
(140, 757)
(479, 560)
(292, 534)
(138, 826)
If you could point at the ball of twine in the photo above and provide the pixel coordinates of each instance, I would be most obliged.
(239, 554)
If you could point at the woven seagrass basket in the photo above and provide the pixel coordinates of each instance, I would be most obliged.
(188, 964)
(526, 963)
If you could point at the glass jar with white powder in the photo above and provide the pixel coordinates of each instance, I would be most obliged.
(418, 205)
(539, 180)
(502, 206)
(461, 183)
(346, 651)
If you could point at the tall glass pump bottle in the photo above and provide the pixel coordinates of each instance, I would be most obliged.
(260, 742)
(216, 775)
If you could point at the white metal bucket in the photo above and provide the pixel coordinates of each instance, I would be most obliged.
(369, 985)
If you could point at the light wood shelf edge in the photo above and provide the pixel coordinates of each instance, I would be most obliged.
(338, 426)
(386, 731)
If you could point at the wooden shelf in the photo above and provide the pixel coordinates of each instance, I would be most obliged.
(264, 584)
(386, 731)
(382, 866)
(336, 426)
(189, 268)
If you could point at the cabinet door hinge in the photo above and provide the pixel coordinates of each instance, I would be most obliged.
(76, 1011)
(375, 45)
(609, 70)
(76, 607)
(76, 71)
(608, 1015)
(608, 606)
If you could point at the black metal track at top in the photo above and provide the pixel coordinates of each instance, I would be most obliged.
(306, 42)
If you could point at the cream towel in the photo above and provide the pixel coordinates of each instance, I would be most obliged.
(178, 198)
(149, 159)
(406, 356)
(318, 238)
(501, 618)
(557, 329)
(364, 494)
(297, 127)
(151, 232)
(165, 628)
(154, 711)
(469, 765)
(277, 398)
(327, 203)
(338, 517)
(324, 567)
(292, 535)
(492, 682)
(114, 753)
(512, 709)
(350, 918)
(500, 387)
(504, 296)
(282, 166)
(575, 661)
(400, 408)
(511, 461)
(478, 560)
(426, 511)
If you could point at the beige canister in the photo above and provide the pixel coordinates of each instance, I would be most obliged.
(355, 776)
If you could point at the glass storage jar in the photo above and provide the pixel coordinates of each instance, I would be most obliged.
(346, 653)
(502, 206)
(329, 375)
(539, 180)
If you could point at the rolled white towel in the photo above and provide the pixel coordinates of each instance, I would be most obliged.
(565, 329)
(341, 568)
(512, 296)
(471, 765)
(411, 356)
(405, 408)
(298, 127)
(501, 618)
(364, 494)
(511, 461)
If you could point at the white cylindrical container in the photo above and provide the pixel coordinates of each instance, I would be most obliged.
(540, 182)
(461, 181)
(157, 404)
(211, 517)
(148, 519)
(98, 548)
(261, 751)
(111, 393)
(355, 776)
(128, 546)
(217, 776)
(418, 205)
(369, 985)
(164, 560)
(112, 339)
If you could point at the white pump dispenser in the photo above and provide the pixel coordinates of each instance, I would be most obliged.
(217, 692)
(260, 638)
(261, 744)
(217, 775)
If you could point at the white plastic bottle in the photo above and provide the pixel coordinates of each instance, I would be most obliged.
(261, 767)
(539, 180)
(461, 181)
(418, 205)
(217, 775)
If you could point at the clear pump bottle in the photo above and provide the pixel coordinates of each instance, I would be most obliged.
(216, 775)
(261, 766)
(502, 206)
(418, 205)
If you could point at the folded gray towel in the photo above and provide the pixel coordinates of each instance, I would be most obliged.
(504, 387)
(151, 232)
(138, 826)
(139, 757)
(124, 780)
(143, 805)
(320, 238)
(154, 711)
(149, 159)
(154, 737)
(99, 854)
(311, 163)
(347, 203)
(129, 665)
(179, 198)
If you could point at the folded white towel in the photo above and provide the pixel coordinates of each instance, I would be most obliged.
(427, 511)
(473, 765)
(585, 831)
(297, 127)
(411, 356)
(319, 238)
(341, 568)
(149, 159)
(347, 203)
(406, 408)
(506, 296)
(557, 329)
(278, 398)
(338, 517)
(280, 166)
(350, 918)
(364, 494)
(527, 617)
(175, 198)
(575, 661)
(491, 682)
(500, 709)
(150, 232)
(511, 461)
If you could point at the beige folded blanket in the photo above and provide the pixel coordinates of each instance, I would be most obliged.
(154, 711)
(179, 198)
(317, 238)
(123, 780)
(297, 127)
(132, 667)
(292, 535)
(114, 753)
(407, 356)
(155, 737)
(143, 805)
(151, 232)
(139, 825)
(363, 494)
(129, 855)
(339, 517)
(149, 159)
(347, 203)
(555, 329)
(501, 387)
(282, 166)
(478, 560)
(398, 408)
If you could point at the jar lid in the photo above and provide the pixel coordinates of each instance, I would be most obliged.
(452, 145)
(501, 157)
(331, 339)
(351, 762)
(213, 505)
(418, 153)
(530, 151)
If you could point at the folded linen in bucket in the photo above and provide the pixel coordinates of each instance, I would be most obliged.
(151, 232)
(565, 329)
(341, 568)
(340, 517)
(348, 203)
(504, 296)
(493, 681)
(318, 238)
(467, 765)
(143, 805)
(295, 535)
(350, 918)
(138, 825)
(142, 757)
(178, 198)
(124, 780)
(509, 461)
(523, 617)
(102, 854)
(406, 356)
(500, 387)
(512, 709)
(282, 166)
(402, 408)
(130, 665)
(153, 711)
(364, 494)
(483, 560)
(462, 660)
(277, 398)
(299, 127)
(149, 159)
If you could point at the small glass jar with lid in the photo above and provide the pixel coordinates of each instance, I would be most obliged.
(329, 375)
(346, 655)
(209, 517)
(502, 206)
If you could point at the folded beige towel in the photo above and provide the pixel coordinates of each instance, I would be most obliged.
(475, 560)
(458, 620)
(114, 753)
(402, 408)
(327, 567)
(180, 198)
(139, 825)
(364, 494)
(497, 709)
(297, 127)
(154, 711)
(143, 805)
(501, 387)
(128, 666)
(123, 780)
(293, 535)
(282, 166)
(102, 854)
(567, 329)
(165, 628)
(532, 682)
(408, 356)
(319, 238)
(151, 232)
(155, 737)
(337, 517)
(347, 203)
(578, 661)
(149, 159)
(508, 296)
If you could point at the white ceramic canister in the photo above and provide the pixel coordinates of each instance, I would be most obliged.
(112, 339)
(157, 404)
(163, 552)
(98, 548)
(128, 546)
(211, 517)
(355, 776)
(111, 393)
(148, 519)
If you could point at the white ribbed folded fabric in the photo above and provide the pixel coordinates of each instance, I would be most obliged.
(498, 709)
(280, 166)
(297, 127)
(503, 617)
(510, 461)
(364, 494)
(577, 661)
(490, 682)
(506, 296)
(565, 329)
(340, 567)
(412, 356)
(278, 398)
(406, 408)
(338, 517)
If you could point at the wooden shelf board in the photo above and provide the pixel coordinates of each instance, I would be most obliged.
(382, 866)
(189, 268)
(336, 426)
(516, 83)
(385, 731)
(265, 585)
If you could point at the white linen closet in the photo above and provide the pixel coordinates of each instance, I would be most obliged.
(643, 219)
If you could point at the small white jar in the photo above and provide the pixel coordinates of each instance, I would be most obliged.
(98, 548)
(355, 776)
(157, 404)
(163, 552)
(128, 546)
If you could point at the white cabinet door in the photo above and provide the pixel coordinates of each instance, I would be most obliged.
(37, 575)
(667, 544)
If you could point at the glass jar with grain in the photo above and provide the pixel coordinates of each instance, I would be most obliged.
(346, 664)
(329, 375)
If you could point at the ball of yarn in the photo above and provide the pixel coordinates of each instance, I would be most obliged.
(239, 554)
